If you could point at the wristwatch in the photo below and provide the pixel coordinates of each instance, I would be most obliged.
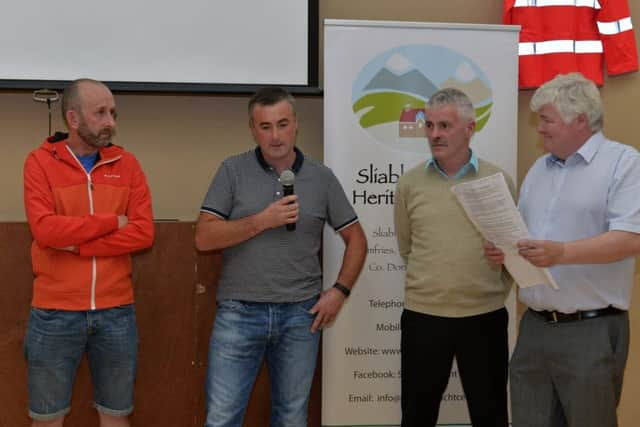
(342, 288)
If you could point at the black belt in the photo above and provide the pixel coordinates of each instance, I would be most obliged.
(558, 317)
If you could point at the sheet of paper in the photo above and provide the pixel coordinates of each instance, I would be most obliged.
(490, 207)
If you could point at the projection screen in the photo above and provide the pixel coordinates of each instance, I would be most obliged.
(164, 45)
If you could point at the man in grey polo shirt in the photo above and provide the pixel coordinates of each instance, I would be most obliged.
(270, 301)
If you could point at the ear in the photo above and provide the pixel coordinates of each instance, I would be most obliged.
(73, 119)
(252, 128)
(471, 128)
(296, 124)
(582, 120)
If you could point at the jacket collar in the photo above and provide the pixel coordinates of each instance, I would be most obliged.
(57, 145)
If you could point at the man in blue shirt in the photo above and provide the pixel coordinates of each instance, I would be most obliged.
(581, 203)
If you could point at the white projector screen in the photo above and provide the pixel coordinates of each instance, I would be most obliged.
(164, 45)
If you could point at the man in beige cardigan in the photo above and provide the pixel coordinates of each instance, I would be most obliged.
(454, 300)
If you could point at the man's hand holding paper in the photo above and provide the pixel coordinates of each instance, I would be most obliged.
(490, 207)
(541, 253)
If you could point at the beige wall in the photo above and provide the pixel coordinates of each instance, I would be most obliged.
(181, 139)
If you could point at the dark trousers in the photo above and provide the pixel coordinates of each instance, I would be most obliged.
(479, 344)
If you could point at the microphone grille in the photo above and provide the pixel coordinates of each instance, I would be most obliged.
(287, 177)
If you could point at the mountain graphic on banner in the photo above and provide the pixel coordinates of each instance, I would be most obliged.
(391, 90)
(475, 89)
(478, 92)
(412, 81)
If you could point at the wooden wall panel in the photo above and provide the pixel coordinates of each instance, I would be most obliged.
(208, 267)
(15, 299)
(164, 280)
(175, 303)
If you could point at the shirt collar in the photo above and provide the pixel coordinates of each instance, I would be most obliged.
(471, 165)
(586, 152)
(297, 163)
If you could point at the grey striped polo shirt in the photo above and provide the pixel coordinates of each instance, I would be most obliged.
(276, 265)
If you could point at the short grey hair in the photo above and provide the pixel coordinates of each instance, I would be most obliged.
(453, 96)
(571, 94)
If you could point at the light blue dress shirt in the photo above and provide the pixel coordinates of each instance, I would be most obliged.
(595, 190)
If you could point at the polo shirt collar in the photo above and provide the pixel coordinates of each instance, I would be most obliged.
(297, 163)
(471, 165)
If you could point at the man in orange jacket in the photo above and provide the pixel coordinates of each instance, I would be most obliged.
(89, 207)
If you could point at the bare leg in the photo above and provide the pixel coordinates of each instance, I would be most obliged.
(111, 421)
(51, 423)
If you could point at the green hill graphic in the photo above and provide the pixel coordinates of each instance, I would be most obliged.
(482, 116)
(385, 107)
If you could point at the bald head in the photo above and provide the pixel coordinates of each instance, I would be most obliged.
(89, 111)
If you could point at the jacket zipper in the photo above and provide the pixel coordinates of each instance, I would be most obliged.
(90, 195)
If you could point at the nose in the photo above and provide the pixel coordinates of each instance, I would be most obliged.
(434, 131)
(111, 121)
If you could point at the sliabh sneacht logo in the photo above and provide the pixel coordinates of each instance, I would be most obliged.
(390, 92)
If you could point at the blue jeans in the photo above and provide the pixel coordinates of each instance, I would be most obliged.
(245, 334)
(55, 343)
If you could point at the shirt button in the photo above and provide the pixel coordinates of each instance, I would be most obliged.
(277, 193)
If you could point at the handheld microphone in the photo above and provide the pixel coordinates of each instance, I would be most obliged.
(286, 179)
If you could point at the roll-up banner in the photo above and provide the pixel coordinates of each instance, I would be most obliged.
(377, 78)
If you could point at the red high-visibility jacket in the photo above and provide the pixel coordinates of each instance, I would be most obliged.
(563, 36)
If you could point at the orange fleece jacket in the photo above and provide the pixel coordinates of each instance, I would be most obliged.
(66, 206)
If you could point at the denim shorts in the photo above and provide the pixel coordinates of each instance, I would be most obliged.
(55, 343)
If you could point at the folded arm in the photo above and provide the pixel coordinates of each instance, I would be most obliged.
(50, 229)
(137, 233)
